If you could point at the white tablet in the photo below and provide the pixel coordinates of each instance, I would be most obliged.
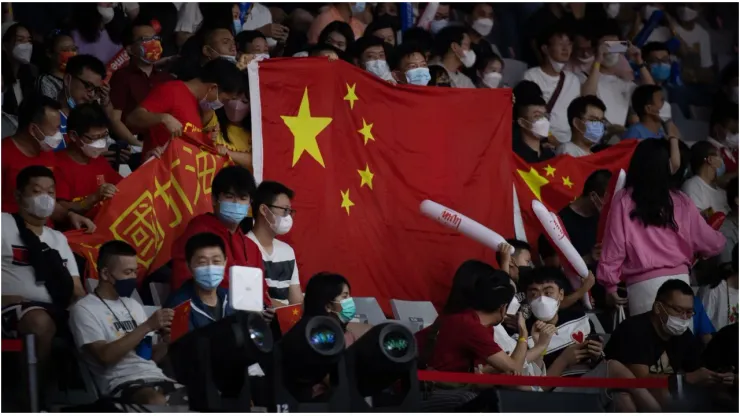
(245, 288)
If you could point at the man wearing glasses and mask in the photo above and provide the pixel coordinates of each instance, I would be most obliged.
(83, 83)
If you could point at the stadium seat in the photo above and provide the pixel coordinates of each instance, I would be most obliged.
(700, 113)
(160, 292)
(368, 311)
(420, 314)
(536, 402)
(513, 72)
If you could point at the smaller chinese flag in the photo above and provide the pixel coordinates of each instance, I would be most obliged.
(288, 316)
(181, 321)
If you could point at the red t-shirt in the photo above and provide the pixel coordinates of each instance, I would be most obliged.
(461, 342)
(76, 181)
(172, 98)
(14, 161)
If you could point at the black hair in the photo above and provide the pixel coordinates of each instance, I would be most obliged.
(545, 274)
(642, 97)
(436, 71)
(484, 59)
(30, 172)
(492, 291)
(526, 93)
(224, 74)
(463, 285)
(8, 74)
(50, 43)
(732, 191)
(203, 240)
(128, 34)
(86, 116)
(113, 249)
(651, 47)
(33, 110)
(87, 20)
(343, 29)
(446, 37)
(556, 29)
(266, 194)
(223, 119)
(649, 178)
(323, 47)
(579, 106)
(246, 37)
(233, 179)
(364, 43)
(383, 22)
(597, 182)
(673, 285)
(321, 290)
(699, 153)
(608, 27)
(518, 246)
(402, 51)
(420, 37)
(77, 64)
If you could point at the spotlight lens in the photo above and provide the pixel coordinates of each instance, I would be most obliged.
(396, 345)
(257, 337)
(323, 339)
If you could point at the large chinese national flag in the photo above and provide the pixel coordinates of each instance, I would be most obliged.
(362, 154)
(559, 181)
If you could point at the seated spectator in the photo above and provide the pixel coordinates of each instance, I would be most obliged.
(480, 21)
(83, 83)
(440, 20)
(657, 57)
(234, 133)
(341, 12)
(696, 51)
(409, 65)
(438, 77)
(39, 272)
(130, 85)
(720, 297)
(533, 125)
(489, 71)
(452, 51)
(370, 54)
(231, 191)
(339, 35)
(205, 254)
(603, 80)
(586, 117)
(17, 71)
(59, 48)
(85, 179)
(724, 134)
(219, 43)
(384, 27)
(113, 333)
(729, 227)
(648, 102)
(330, 295)
(702, 188)
(556, 45)
(273, 214)
(253, 42)
(656, 343)
(170, 109)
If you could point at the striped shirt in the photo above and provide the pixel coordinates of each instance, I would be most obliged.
(281, 270)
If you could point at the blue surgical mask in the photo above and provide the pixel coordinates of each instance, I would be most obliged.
(721, 169)
(125, 287)
(71, 103)
(660, 72)
(232, 212)
(348, 310)
(418, 76)
(210, 276)
(594, 131)
(358, 7)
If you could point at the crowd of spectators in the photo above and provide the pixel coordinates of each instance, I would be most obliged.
(585, 76)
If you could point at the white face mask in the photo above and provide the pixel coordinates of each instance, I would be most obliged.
(95, 148)
(665, 112)
(378, 67)
(40, 206)
(674, 325)
(611, 59)
(557, 66)
(468, 58)
(587, 61)
(492, 79)
(648, 11)
(687, 14)
(107, 13)
(612, 10)
(541, 128)
(22, 52)
(483, 26)
(282, 225)
(731, 140)
(49, 143)
(544, 308)
(261, 57)
(438, 25)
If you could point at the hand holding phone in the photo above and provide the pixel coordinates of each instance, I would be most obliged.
(617, 46)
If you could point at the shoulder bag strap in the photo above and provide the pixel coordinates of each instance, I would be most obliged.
(556, 93)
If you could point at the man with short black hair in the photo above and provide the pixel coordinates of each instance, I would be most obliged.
(383, 27)
(409, 65)
(650, 105)
(533, 127)
(370, 55)
(586, 118)
(453, 52)
(519, 263)
(658, 59)
(273, 215)
(702, 188)
(83, 83)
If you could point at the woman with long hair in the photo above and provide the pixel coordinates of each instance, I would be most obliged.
(653, 231)
(17, 71)
(234, 136)
(329, 294)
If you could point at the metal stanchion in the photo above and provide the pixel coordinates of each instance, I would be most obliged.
(33, 383)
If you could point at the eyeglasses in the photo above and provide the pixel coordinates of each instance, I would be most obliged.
(286, 211)
(89, 86)
(676, 311)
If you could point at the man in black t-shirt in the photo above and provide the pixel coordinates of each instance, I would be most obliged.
(659, 344)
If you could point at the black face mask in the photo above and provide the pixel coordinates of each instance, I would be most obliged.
(125, 287)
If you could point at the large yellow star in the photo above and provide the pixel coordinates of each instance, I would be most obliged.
(351, 96)
(305, 128)
(549, 171)
(534, 180)
(346, 202)
(366, 131)
(567, 182)
(367, 177)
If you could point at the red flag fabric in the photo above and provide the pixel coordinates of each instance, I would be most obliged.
(559, 181)
(362, 154)
(180, 321)
(153, 206)
(288, 316)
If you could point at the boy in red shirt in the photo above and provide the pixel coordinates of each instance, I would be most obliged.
(173, 108)
(83, 177)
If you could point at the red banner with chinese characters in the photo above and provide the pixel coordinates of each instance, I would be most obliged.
(153, 206)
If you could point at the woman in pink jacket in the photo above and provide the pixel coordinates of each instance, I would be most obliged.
(653, 231)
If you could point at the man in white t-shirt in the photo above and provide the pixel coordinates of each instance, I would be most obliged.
(453, 51)
(587, 124)
(115, 336)
(604, 83)
(696, 52)
(707, 165)
(556, 46)
(31, 302)
(271, 208)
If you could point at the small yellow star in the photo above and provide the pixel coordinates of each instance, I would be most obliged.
(567, 182)
(351, 96)
(295, 312)
(305, 129)
(549, 171)
(534, 180)
(366, 131)
(367, 177)
(346, 202)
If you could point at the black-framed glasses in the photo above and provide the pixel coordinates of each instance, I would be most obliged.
(286, 211)
(89, 86)
(683, 313)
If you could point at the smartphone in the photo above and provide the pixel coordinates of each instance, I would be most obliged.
(617, 46)
(593, 337)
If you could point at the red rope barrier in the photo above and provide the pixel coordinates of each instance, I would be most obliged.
(504, 380)
(12, 345)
